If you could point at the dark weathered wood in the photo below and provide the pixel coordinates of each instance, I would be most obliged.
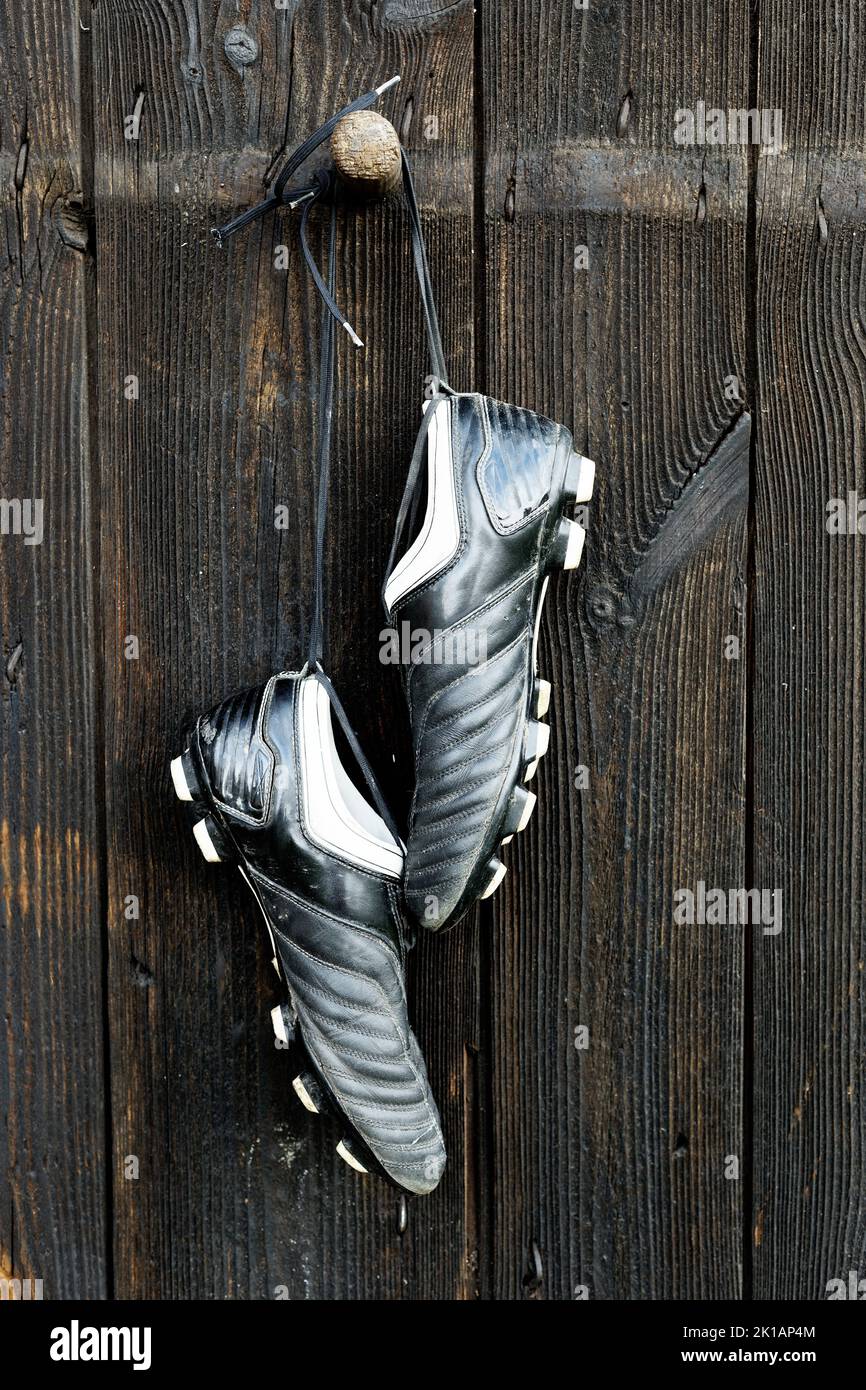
(809, 1222)
(535, 131)
(52, 1155)
(611, 1160)
(239, 1192)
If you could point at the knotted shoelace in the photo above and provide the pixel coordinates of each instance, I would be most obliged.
(322, 188)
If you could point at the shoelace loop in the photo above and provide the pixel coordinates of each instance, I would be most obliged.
(322, 189)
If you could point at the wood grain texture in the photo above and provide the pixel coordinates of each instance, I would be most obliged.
(52, 1160)
(159, 396)
(239, 1193)
(809, 1225)
(610, 1161)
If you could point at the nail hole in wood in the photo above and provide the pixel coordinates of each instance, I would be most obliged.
(701, 209)
(624, 115)
(12, 663)
(406, 122)
(821, 219)
(533, 1279)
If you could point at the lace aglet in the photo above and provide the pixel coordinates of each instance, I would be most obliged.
(392, 82)
(222, 234)
(305, 197)
(352, 334)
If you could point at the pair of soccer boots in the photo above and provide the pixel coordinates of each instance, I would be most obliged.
(279, 786)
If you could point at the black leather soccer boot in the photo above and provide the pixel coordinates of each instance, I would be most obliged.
(482, 525)
(270, 793)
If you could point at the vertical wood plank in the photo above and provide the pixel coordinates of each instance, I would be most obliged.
(52, 1171)
(609, 1161)
(238, 1194)
(378, 416)
(808, 1224)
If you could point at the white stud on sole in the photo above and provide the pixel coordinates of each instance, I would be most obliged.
(495, 879)
(350, 1158)
(205, 843)
(520, 807)
(585, 479)
(527, 812)
(279, 1025)
(304, 1096)
(574, 545)
(535, 746)
(178, 777)
(543, 691)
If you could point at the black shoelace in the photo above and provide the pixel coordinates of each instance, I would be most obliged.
(321, 189)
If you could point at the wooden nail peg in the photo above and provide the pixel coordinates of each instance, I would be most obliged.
(365, 149)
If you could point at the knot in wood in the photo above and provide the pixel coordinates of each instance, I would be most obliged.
(605, 607)
(240, 47)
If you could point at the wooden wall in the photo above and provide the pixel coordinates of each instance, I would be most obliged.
(697, 316)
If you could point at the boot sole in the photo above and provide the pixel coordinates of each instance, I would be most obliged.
(562, 550)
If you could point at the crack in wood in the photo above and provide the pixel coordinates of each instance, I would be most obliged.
(715, 492)
(417, 14)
